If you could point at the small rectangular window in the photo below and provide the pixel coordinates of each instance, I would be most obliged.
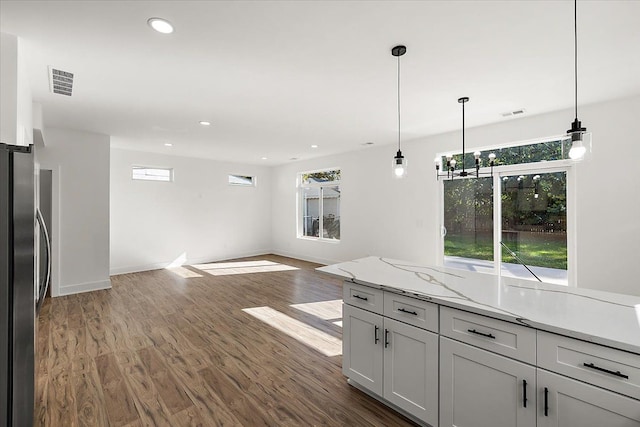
(242, 180)
(152, 174)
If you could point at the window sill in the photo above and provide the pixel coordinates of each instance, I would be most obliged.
(317, 239)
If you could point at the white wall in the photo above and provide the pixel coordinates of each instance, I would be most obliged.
(80, 230)
(196, 218)
(15, 93)
(399, 218)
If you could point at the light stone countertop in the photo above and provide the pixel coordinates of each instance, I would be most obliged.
(595, 316)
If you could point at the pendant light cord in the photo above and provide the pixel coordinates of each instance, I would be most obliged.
(575, 49)
(398, 102)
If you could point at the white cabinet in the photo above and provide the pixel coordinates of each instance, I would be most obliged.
(394, 360)
(482, 389)
(592, 385)
(497, 336)
(565, 402)
(452, 368)
(361, 347)
(411, 369)
(605, 367)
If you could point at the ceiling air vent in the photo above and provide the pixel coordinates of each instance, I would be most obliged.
(513, 113)
(60, 82)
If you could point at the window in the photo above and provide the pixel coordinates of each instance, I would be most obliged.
(319, 208)
(519, 216)
(145, 173)
(242, 180)
(527, 152)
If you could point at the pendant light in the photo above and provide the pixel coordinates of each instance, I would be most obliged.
(451, 162)
(399, 162)
(577, 132)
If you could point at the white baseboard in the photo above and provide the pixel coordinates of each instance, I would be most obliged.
(323, 261)
(84, 287)
(160, 265)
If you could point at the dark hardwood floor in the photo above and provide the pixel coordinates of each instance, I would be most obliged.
(175, 348)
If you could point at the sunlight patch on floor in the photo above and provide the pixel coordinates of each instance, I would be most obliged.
(185, 273)
(325, 310)
(242, 267)
(308, 335)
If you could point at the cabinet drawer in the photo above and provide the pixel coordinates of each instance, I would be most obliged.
(508, 339)
(606, 367)
(363, 296)
(412, 311)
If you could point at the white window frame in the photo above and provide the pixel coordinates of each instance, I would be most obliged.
(171, 173)
(550, 166)
(300, 205)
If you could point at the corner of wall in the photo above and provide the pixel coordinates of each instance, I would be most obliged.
(84, 287)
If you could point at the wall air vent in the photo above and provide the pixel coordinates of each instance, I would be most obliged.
(60, 82)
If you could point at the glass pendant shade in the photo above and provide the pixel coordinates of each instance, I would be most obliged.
(580, 139)
(580, 145)
(399, 165)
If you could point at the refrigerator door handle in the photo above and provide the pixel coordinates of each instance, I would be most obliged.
(44, 286)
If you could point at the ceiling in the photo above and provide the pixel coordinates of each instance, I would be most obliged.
(275, 77)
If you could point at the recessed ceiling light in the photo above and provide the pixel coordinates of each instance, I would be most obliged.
(314, 146)
(264, 158)
(168, 144)
(204, 123)
(160, 25)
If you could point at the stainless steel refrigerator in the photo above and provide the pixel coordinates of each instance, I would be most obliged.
(19, 293)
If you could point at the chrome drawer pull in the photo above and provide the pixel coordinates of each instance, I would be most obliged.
(473, 331)
(597, 368)
(408, 311)
(359, 297)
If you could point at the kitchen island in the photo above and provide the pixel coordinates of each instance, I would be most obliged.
(453, 347)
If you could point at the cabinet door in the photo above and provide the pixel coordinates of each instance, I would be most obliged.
(483, 389)
(411, 369)
(571, 403)
(362, 347)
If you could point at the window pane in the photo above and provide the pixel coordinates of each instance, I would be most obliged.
(151, 174)
(468, 219)
(320, 177)
(530, 153)
(310, 212)
(534, 225)
(242, 180)
(331, 213)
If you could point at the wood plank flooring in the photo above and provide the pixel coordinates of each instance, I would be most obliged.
(175, 348)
